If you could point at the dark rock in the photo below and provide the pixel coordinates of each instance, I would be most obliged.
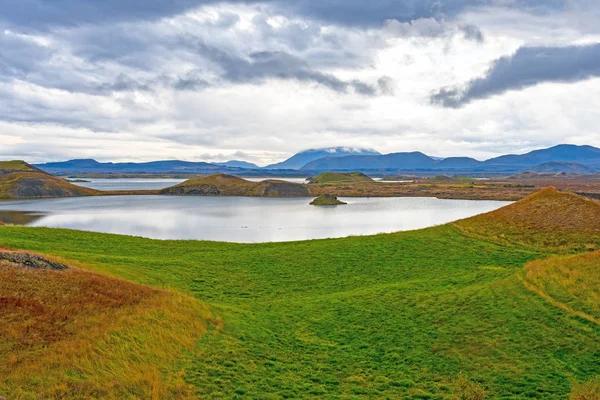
(285, 189)
(30, 261)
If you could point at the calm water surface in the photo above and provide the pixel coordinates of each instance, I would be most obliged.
(153, 184)
(239, 219)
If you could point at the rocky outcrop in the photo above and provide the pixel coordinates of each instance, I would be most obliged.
(29, 261)
(285, 189)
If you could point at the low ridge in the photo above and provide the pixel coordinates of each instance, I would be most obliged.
(335, 177)
(20, 180)
(229, 185)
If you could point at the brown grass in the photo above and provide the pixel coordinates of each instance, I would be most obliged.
(586, 390)
(76, 334)
(548, 220)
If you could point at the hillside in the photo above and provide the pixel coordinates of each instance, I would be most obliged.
(561, 221)
(70, 333)
(563, 153)
(89, 166)
(298, 160)
(337, 177)
(556, 167)
(228, 185)
(239, 164)
(570, 283)
(20, 180)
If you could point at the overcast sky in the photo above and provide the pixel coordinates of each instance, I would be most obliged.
(259, 80)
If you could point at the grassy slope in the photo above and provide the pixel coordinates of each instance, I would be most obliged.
(76, 334)
(335, 177)
(548, 219)
(45, 186)
(387, 316)
(229, 185)
(570, 283)
(16, 165)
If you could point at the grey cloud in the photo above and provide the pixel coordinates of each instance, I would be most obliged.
(44, 14)
(529, 66)
(472, 32)
(263, 65)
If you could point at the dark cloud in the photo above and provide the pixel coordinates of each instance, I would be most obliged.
(43, 14)
(472, 32)
(529, 66)
(264, 65)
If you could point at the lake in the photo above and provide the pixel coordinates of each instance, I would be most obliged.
(238, 219)
(154, 183)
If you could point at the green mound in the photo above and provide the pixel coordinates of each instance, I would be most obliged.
(549, 220)
(33, 184)
(335, 177)
(326, 200)
(229, 185)
(17, 165)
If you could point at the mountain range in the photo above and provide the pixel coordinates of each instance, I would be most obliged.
(299, 160)
(560, 158)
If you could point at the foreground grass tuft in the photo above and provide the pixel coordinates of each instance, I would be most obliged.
(76, 334)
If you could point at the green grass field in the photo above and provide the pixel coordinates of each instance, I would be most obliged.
(406, 315)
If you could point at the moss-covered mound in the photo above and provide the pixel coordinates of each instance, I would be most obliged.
(19, 180)
(229, 185)
(22, 185)
(561, 221)
(335, 177)
(326, 200)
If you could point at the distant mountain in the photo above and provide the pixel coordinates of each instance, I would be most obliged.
(348, 159)
(585, 155)
(239, 164)
(458, 163)
(87, 166)
(555, 167)
(394, 161)
(301, 159)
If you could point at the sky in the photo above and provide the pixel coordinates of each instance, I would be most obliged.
(259, 80)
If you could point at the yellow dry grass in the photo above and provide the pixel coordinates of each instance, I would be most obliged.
(77, 334)
(569, 282)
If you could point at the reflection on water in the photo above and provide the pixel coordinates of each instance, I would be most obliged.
(244, 219)
(152, 183)
(19, 217)
(128, 183)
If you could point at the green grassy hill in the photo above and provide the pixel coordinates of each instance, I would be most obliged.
(549, 219)
(21, 180)
(229, 185)
(339, 177)
(17, 165)
(428, 314)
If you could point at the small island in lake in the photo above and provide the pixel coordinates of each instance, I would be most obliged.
(327, 200)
